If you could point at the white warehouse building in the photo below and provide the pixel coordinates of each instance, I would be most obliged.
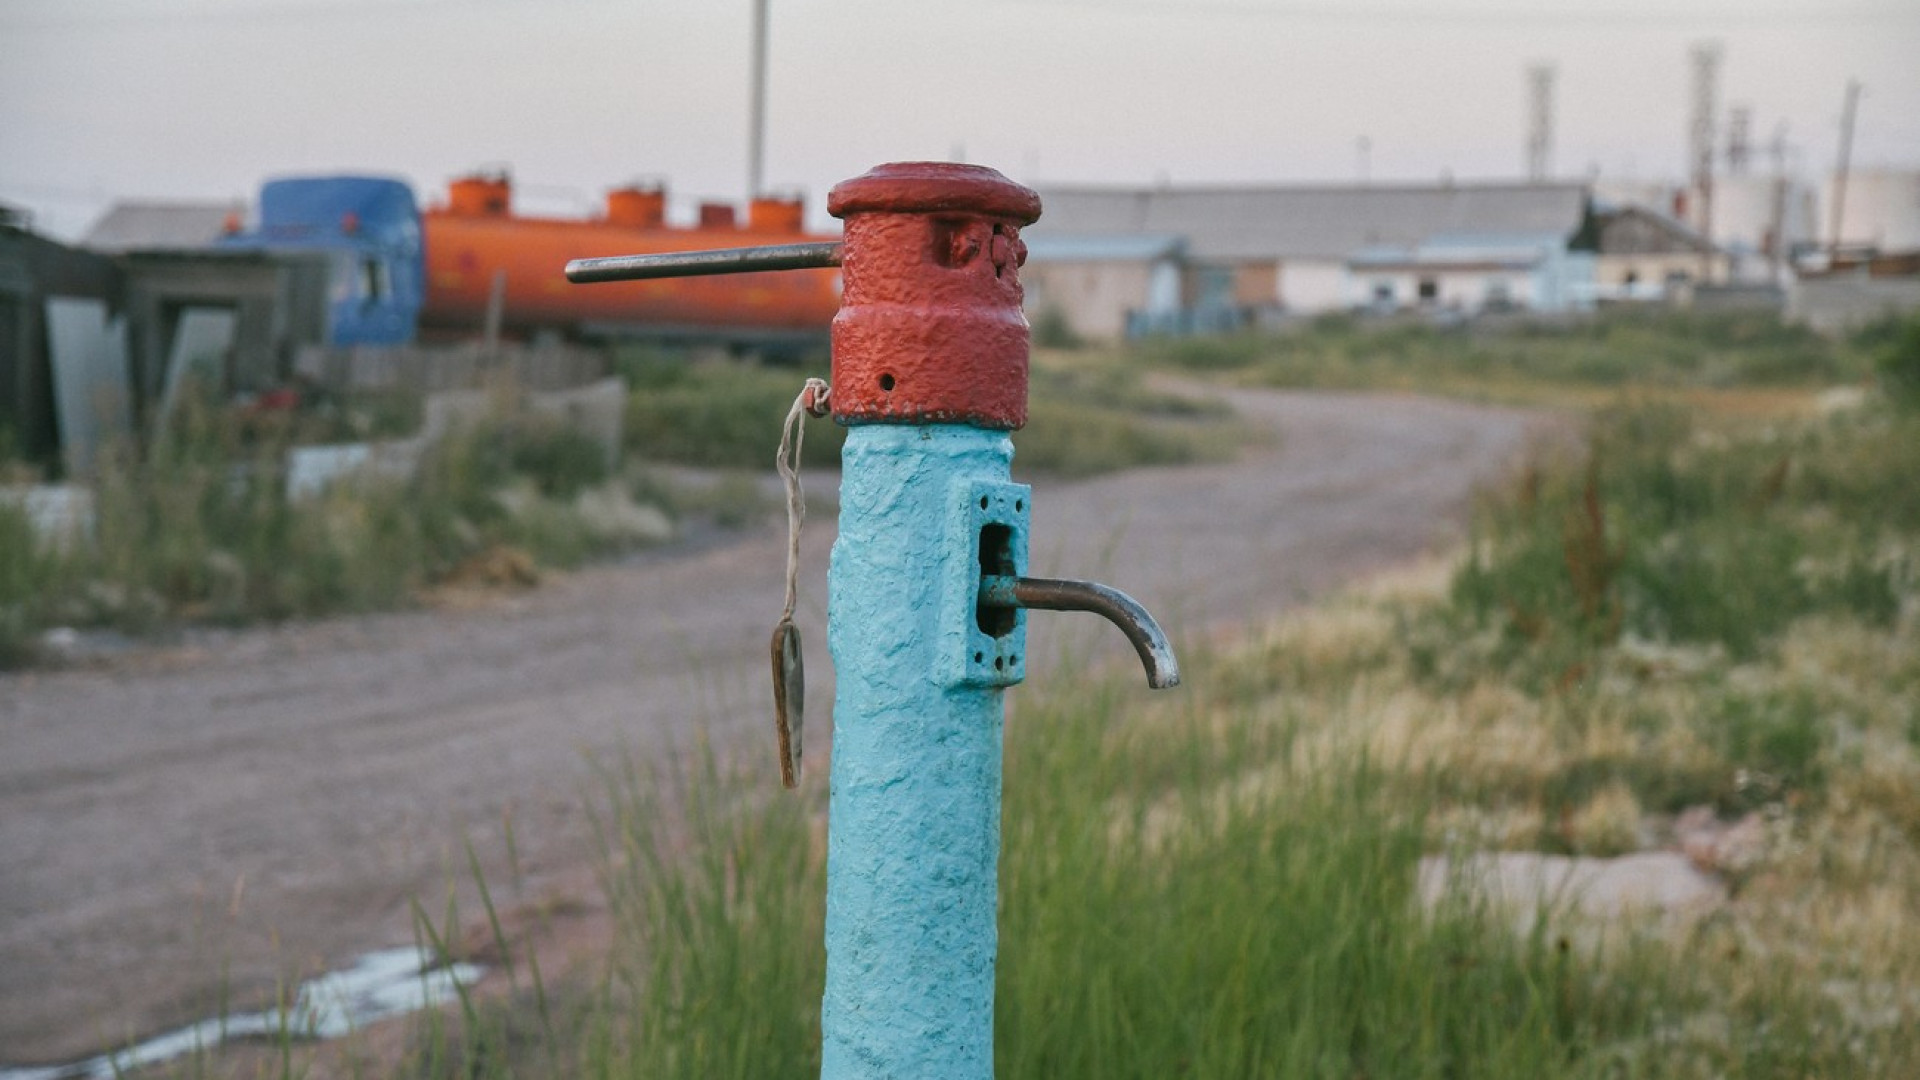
(1252, 253)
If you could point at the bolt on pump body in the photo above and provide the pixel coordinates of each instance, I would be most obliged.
(926, 603)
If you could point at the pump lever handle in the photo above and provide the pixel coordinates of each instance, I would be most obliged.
(1123, 611)
(823, 254)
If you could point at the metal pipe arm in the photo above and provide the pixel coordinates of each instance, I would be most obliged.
(1123, 611)
(823, 254)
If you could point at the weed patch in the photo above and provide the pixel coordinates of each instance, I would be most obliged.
(1084, 419)
(1672, 536)
(203, 528)
(1614, 350)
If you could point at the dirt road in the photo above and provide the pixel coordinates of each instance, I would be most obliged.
(185, 826)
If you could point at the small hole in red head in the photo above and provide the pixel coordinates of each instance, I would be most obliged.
(886, 382)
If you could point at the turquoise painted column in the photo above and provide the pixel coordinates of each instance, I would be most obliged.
(929, 375)
(914, 836)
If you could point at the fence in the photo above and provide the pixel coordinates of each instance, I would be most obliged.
(429, 369)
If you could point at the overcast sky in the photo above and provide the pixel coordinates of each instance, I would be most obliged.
(201, 99)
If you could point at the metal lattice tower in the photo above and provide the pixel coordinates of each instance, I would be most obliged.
(1705, 57)
(1540, 122)
(1739, 145)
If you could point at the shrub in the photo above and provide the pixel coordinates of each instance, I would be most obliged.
(1899, 363)
(1053, 330)
(560, 460)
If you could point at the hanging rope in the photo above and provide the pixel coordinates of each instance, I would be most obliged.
(811, 402)
(789, 674)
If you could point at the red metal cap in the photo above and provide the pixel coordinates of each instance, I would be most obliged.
(930, 328)
(934, 187)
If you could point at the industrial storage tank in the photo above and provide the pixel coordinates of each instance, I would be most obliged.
(1881, 210)
(1758, 214)
(475, 239)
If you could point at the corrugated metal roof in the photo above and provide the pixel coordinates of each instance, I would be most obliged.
(1132, 247)
(1256, 223)
(134, 226)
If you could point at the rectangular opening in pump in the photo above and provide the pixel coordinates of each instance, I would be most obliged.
(987, 524)
(996, 560)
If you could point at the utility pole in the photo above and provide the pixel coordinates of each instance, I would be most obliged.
(1837, 216)
(1540, 127)
(1706, 77)
(757, 121)
(1777, 238)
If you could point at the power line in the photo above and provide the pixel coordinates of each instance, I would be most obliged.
(1840, 173)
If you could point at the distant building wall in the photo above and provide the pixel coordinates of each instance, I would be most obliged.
(1312, 285)
(1444, 287)
(1256, 284)
(1643, 276)
(1095, 296)
(1882, 210)
(1743, 297)
(1470, 277)
(1838, 304)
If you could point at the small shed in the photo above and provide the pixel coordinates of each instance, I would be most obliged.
(1644, 254)
(164, 226)
(41, 281)
(234, 319)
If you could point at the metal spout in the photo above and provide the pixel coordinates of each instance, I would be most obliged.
(1123, 611)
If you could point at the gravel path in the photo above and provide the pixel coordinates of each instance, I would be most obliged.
(184, 827)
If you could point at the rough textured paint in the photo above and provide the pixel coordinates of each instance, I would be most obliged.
(914, 830)
(930, 328)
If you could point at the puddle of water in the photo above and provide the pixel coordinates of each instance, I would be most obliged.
(383, 983)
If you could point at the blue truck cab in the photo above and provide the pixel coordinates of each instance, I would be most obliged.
(370, 229)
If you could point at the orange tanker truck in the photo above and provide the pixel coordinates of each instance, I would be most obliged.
(401, 274)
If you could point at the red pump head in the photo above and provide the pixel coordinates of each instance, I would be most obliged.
(930, 328)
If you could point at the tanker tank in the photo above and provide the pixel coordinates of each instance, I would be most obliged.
(475, 237)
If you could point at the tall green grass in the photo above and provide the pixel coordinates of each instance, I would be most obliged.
(1204, 891)
(1157, 919)
(24, 565)
(201, 528)
(1200, 899)
(718, 890)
